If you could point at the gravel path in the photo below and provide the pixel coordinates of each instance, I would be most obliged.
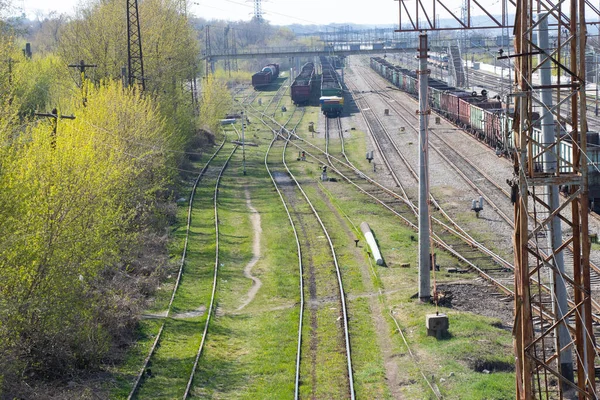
(256, 227)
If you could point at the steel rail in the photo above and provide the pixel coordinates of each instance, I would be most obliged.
(470, 181)
(215, 275)
(438, 241)
(337, 269)
(298, 248)
(456, 229)
(300, 266)
(491, 202)
(179, 273)
(277, 133)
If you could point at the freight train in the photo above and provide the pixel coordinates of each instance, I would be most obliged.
(488, 120)
(268, 74)
(301, 89)
(438, 60)
(332, 94)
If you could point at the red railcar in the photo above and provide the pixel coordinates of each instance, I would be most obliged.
(492, 132)
(262, 78)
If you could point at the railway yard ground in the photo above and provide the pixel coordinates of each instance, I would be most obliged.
(298, 307)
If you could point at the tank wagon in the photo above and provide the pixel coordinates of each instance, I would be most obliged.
(332, 94)
(487, 120)
(302, 86)
(268, 74)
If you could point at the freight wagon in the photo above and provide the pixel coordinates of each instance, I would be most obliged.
(489, 121)
(264, 77)
(332, 93)
(302, 86)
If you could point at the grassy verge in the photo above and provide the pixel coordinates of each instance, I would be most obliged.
(250, 353)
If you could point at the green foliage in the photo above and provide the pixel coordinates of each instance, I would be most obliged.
(232, 77)
(215, 103)
(41, 84)
(72, 209)
(99, 35)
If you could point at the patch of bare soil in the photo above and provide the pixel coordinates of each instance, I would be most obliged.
(191, 314)
(479, 298)
(257, 230)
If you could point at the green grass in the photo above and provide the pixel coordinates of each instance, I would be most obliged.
(474, 339)
(173, 359)
(251, 353)
(125, 374)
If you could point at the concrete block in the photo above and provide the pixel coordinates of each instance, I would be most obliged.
(437, 324)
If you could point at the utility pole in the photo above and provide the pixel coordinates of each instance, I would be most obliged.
(55, 117)
(243, 142)
(425, 261)
(82, 67)
(135, 59)
(27, 51)
(209, 63)
(558, 289)
(10, 63)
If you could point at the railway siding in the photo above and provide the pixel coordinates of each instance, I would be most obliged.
(250, 353)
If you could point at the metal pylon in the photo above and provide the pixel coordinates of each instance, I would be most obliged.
(258, 14)
(538, 317)
(541, 318)
(134, 46)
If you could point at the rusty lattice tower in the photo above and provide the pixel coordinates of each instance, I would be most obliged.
(563, 336)
(135, 60)
(553, 337)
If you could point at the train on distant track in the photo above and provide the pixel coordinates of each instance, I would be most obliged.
(488, 120)
(265, 76)
(438, 60)
(332, 93)
(302, 87)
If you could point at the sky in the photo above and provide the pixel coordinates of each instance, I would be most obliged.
(277, 12)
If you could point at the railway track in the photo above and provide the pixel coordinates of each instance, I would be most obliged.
(215, 276)
(489, 264)
(476, 179)
(300, 265)
(139, 381)
(495, 194)
(401, 207)
(294, 120)
(319, 355)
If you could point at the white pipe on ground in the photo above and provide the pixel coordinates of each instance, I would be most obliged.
(366, 230)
